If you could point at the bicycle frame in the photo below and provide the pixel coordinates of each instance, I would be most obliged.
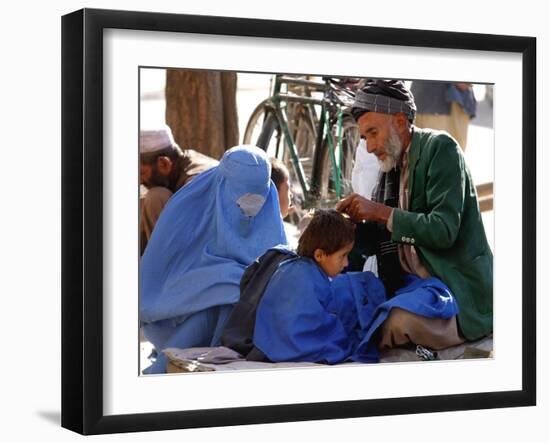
(278, 104)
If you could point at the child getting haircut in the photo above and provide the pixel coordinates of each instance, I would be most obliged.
(310, 312)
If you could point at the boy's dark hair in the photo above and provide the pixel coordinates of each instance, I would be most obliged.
(279, 172)
(328, 230)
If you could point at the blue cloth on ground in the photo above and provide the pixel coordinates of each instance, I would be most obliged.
(207, 234)
(427, 297)
(305, 317)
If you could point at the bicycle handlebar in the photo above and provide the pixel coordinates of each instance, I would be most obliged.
(337, 90)
(303, 82)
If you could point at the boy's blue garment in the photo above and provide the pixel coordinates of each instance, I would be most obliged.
(207, 234)
(427, 297)
(239, 331)
(303, 316)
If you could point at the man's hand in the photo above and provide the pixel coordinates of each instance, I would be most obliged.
(359, 208)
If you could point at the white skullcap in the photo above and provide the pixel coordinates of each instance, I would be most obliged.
(155, 140)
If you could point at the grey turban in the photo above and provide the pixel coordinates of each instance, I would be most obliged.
(386, 96)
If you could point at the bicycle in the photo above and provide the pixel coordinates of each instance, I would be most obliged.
(306, 123)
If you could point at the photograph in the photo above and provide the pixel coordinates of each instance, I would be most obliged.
(310, 220)
(323, 222)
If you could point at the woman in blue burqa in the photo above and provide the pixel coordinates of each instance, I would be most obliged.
(206, 236)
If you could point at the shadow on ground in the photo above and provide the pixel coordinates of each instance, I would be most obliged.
(54, 417)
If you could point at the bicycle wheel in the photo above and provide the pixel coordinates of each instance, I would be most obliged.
(271, 140)
(327, 191)
(304, 140)
(303, 134)
(271, 136)
(255, 123)
(350, 141)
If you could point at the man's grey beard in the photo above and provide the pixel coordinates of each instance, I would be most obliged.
(394, 148)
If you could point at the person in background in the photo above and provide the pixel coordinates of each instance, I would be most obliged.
(445, 106)
(164, 168)
(281, 178)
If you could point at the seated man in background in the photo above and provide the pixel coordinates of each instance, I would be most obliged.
(164, 168)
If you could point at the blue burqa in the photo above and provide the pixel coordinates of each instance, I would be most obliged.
(206, 236)
(305, 317)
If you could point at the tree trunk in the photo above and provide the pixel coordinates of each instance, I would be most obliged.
(201, 110)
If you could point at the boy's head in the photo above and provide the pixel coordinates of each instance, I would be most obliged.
(328, 239)
(280, 176)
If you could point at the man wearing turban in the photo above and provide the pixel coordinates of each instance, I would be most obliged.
(164, 168)
(423, 219)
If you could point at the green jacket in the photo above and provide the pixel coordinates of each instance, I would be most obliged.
(444, 225)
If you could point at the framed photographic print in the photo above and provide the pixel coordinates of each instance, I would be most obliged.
(135, 85)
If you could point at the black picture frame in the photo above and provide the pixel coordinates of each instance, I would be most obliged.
(82, 218)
